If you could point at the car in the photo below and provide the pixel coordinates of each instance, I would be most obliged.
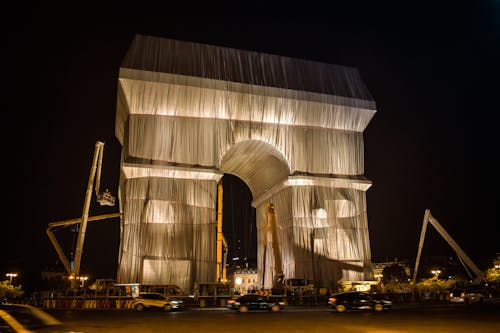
(467, 295)
(358, 300)
(156, 301)
(20, 318)
(255, 302)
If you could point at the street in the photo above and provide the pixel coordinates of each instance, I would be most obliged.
(408, 318)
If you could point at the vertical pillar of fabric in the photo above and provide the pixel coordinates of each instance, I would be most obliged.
(168, 230)
(323, 235)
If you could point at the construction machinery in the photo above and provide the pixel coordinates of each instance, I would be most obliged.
(464, 259)
(289, 286)
(270, 219)
(103, 198)
(222, 248)
(218, 291)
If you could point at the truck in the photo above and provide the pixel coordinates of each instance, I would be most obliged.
(299, 287)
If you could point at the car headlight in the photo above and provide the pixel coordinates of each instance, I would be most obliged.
(175, 302)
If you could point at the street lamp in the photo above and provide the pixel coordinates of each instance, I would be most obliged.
(83, 279)
(238, 281)
(10, 276)
(436, 273)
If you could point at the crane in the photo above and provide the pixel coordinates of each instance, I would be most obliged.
(222, 248)
(293, 286)
(270, 218)
(103, 198)
(466, 261)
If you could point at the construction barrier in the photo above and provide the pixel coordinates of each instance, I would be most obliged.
(124, 304)
(90, 304)
(81, 303)
(264, 292)
(49, 303)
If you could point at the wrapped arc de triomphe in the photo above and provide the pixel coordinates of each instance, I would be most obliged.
(291, 129)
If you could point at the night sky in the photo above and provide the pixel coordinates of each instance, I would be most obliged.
(433, 73)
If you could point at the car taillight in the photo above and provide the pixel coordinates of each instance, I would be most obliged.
(332, 300)
(231, 301)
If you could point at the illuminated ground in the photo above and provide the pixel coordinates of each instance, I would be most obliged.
(404, 318)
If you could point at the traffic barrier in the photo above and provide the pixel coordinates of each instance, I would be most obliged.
(49, 303)
(264, 292)
(104, 304)
(124, 304)
(90, 304)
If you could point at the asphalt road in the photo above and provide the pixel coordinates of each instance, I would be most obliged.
(438, 318)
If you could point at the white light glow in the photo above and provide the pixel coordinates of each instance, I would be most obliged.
(299, 182)
(170, 172)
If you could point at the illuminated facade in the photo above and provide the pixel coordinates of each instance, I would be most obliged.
(246, 280)
(291, 129)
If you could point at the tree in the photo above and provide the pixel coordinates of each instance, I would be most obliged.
(493, 276)
(492, 281)
(8, 291)
(394, 274)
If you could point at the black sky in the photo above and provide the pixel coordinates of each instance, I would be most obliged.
(432, 72)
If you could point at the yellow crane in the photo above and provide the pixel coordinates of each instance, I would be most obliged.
(222, 248)
(104, 198)
(292, 286)
(270, 219)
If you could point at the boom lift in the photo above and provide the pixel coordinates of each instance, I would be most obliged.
(466, 261)
(104, 198)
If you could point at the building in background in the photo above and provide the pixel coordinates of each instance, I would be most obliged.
(246, 280)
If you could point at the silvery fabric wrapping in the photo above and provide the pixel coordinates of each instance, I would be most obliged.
(291, 129)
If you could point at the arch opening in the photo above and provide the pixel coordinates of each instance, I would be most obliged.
(239, 223)
(259, 164)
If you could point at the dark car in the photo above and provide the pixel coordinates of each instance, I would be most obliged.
(255, 302)
(27, 318)
(358, 300)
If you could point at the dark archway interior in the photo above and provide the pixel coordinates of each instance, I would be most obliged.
(238, 222)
